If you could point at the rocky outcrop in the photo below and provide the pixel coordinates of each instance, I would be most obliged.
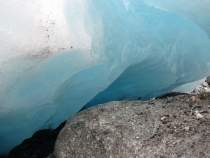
(208, 80)
(169, 127)
(204, 87)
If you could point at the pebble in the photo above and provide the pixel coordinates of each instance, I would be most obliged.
(205, 84)
(193, 100)
(198, 115)
(152, 101)
(187, 128)
(164, 117)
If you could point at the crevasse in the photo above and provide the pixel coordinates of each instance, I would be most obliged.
(58, 56)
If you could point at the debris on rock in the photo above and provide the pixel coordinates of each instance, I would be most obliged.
(164, 117)
(187, 128)
(204, 87)
(193, 100)
(198, 115)
(151, 101)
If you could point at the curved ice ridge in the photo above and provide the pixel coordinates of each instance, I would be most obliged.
(58, 56)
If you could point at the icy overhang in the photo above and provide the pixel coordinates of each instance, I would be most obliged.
(57, 56)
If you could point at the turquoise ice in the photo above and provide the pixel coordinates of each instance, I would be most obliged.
(100, 51)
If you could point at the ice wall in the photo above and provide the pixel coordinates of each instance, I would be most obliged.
(57, 56)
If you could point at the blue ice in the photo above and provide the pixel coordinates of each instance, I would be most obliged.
(120, 50)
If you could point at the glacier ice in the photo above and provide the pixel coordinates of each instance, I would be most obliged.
(57, 56)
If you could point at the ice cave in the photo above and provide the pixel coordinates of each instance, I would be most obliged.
(59, 56)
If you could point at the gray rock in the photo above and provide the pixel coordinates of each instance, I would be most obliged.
(203, 88)
(208, 80)
(135, 130)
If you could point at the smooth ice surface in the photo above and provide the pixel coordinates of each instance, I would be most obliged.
(57, 56)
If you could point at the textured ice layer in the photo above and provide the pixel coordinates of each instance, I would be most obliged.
(56, 57)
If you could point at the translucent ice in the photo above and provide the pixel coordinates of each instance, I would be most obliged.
(57, 56)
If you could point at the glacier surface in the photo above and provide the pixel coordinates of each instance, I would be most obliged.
(58, 56)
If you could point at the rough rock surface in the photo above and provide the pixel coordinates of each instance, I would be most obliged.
(208, 80)
(168, 127)
(204, 87)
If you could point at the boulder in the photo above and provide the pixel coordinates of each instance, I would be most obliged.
(127, 129)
